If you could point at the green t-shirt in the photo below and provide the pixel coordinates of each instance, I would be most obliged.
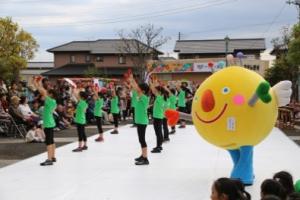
(158, 107)
(166, 106)
(80, 112)
(172, 99)
(114, 105)
(181, 98)
(49, 107)
(133, 98)
(141, 110)
(98, 107)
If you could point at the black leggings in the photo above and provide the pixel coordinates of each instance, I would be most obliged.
(116, 119)
(49, 136)
(183, 110)
(133, 119)
(157, 123)
(81, 132)
(141, 129)
(99, 124)
(165, 128)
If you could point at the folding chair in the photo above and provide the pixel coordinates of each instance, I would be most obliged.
(18, 129)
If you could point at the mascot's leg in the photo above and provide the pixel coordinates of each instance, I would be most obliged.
(243, 169)
(235, 156)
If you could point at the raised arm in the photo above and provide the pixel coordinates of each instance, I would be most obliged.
(38, 85)
(152, 87)
(134, 85)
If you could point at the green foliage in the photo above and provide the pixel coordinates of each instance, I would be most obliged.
(16, 48)
(293, 55)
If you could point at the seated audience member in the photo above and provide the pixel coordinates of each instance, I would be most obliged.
(226, 189)
(286, 180)
(4, 102)
(26, 110)
(3, 113)
(271, 187)
(15, 112)
(61, 117)
(35, 135)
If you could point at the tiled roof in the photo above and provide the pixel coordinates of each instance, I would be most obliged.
(218, 46)
(107, 46)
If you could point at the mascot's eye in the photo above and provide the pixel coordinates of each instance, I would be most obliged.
(225, 90)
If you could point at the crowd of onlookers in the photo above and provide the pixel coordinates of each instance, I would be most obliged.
(23, 104)
(280, 187)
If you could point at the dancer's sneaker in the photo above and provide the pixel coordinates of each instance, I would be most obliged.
(53, 159)
(46, 163)
(84, 147)
(99, 139)
(114, 132)
(143, 161)
(172, 132)
(181, 126)
(156, 150)
(78, 149)
(139, 158)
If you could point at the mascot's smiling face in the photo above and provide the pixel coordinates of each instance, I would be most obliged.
(221, 113)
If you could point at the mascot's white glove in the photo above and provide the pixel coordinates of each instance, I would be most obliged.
(283, 91)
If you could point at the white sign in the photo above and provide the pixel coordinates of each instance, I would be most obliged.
(203, 67)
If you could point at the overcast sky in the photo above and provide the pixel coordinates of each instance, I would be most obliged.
(54, 22)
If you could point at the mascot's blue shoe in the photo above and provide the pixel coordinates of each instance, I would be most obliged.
(243, 164)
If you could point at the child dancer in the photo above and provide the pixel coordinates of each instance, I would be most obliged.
(114, 109)
(141, 117)
(80, 120)
(98, 98)
(166, 105)
(158, 115)
(173, 101)
(48, 120)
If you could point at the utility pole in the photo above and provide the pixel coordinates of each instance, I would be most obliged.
(297, 4)
(179, 36)
(226, 39)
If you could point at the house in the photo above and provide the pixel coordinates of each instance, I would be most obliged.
(197, 59)
(76, 58)
(219, 48)
(34, 69)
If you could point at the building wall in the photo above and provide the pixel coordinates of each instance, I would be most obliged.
(27, 74)
(61, 58)
(196, 77)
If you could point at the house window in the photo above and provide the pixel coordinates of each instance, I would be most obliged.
(72, 59)
(122, 60)
(99, 59)
(87, 58)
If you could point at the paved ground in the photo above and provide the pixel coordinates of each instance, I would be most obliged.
(12, 150)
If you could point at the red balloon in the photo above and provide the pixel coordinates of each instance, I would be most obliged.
(210, 64)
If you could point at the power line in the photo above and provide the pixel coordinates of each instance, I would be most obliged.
(138, 17)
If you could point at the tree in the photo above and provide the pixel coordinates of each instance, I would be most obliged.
(16, 47)
(141, 44)
(286, 66)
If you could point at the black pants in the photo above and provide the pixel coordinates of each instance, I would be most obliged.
(157, 123)
(99, 124)
(116, 119)
(141, 129)
(124, 114)
(132, 110)
(182, 109)
(165, 128)
(81, 132)
(49, 136)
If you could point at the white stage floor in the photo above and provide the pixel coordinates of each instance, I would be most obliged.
(184, 170)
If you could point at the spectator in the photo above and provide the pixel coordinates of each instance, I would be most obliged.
(13, 90)
(3, 102)
(286, 181)
(226, 189)
(15, 112)
(271, 187)
(26, 110)
(35, 135)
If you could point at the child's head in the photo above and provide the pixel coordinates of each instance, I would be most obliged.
(225, 189)
(52, 93)
(83, 95)
(271, 187)
(144, 87)
(286, 180)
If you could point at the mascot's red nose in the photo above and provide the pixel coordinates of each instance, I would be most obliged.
(208, 101)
